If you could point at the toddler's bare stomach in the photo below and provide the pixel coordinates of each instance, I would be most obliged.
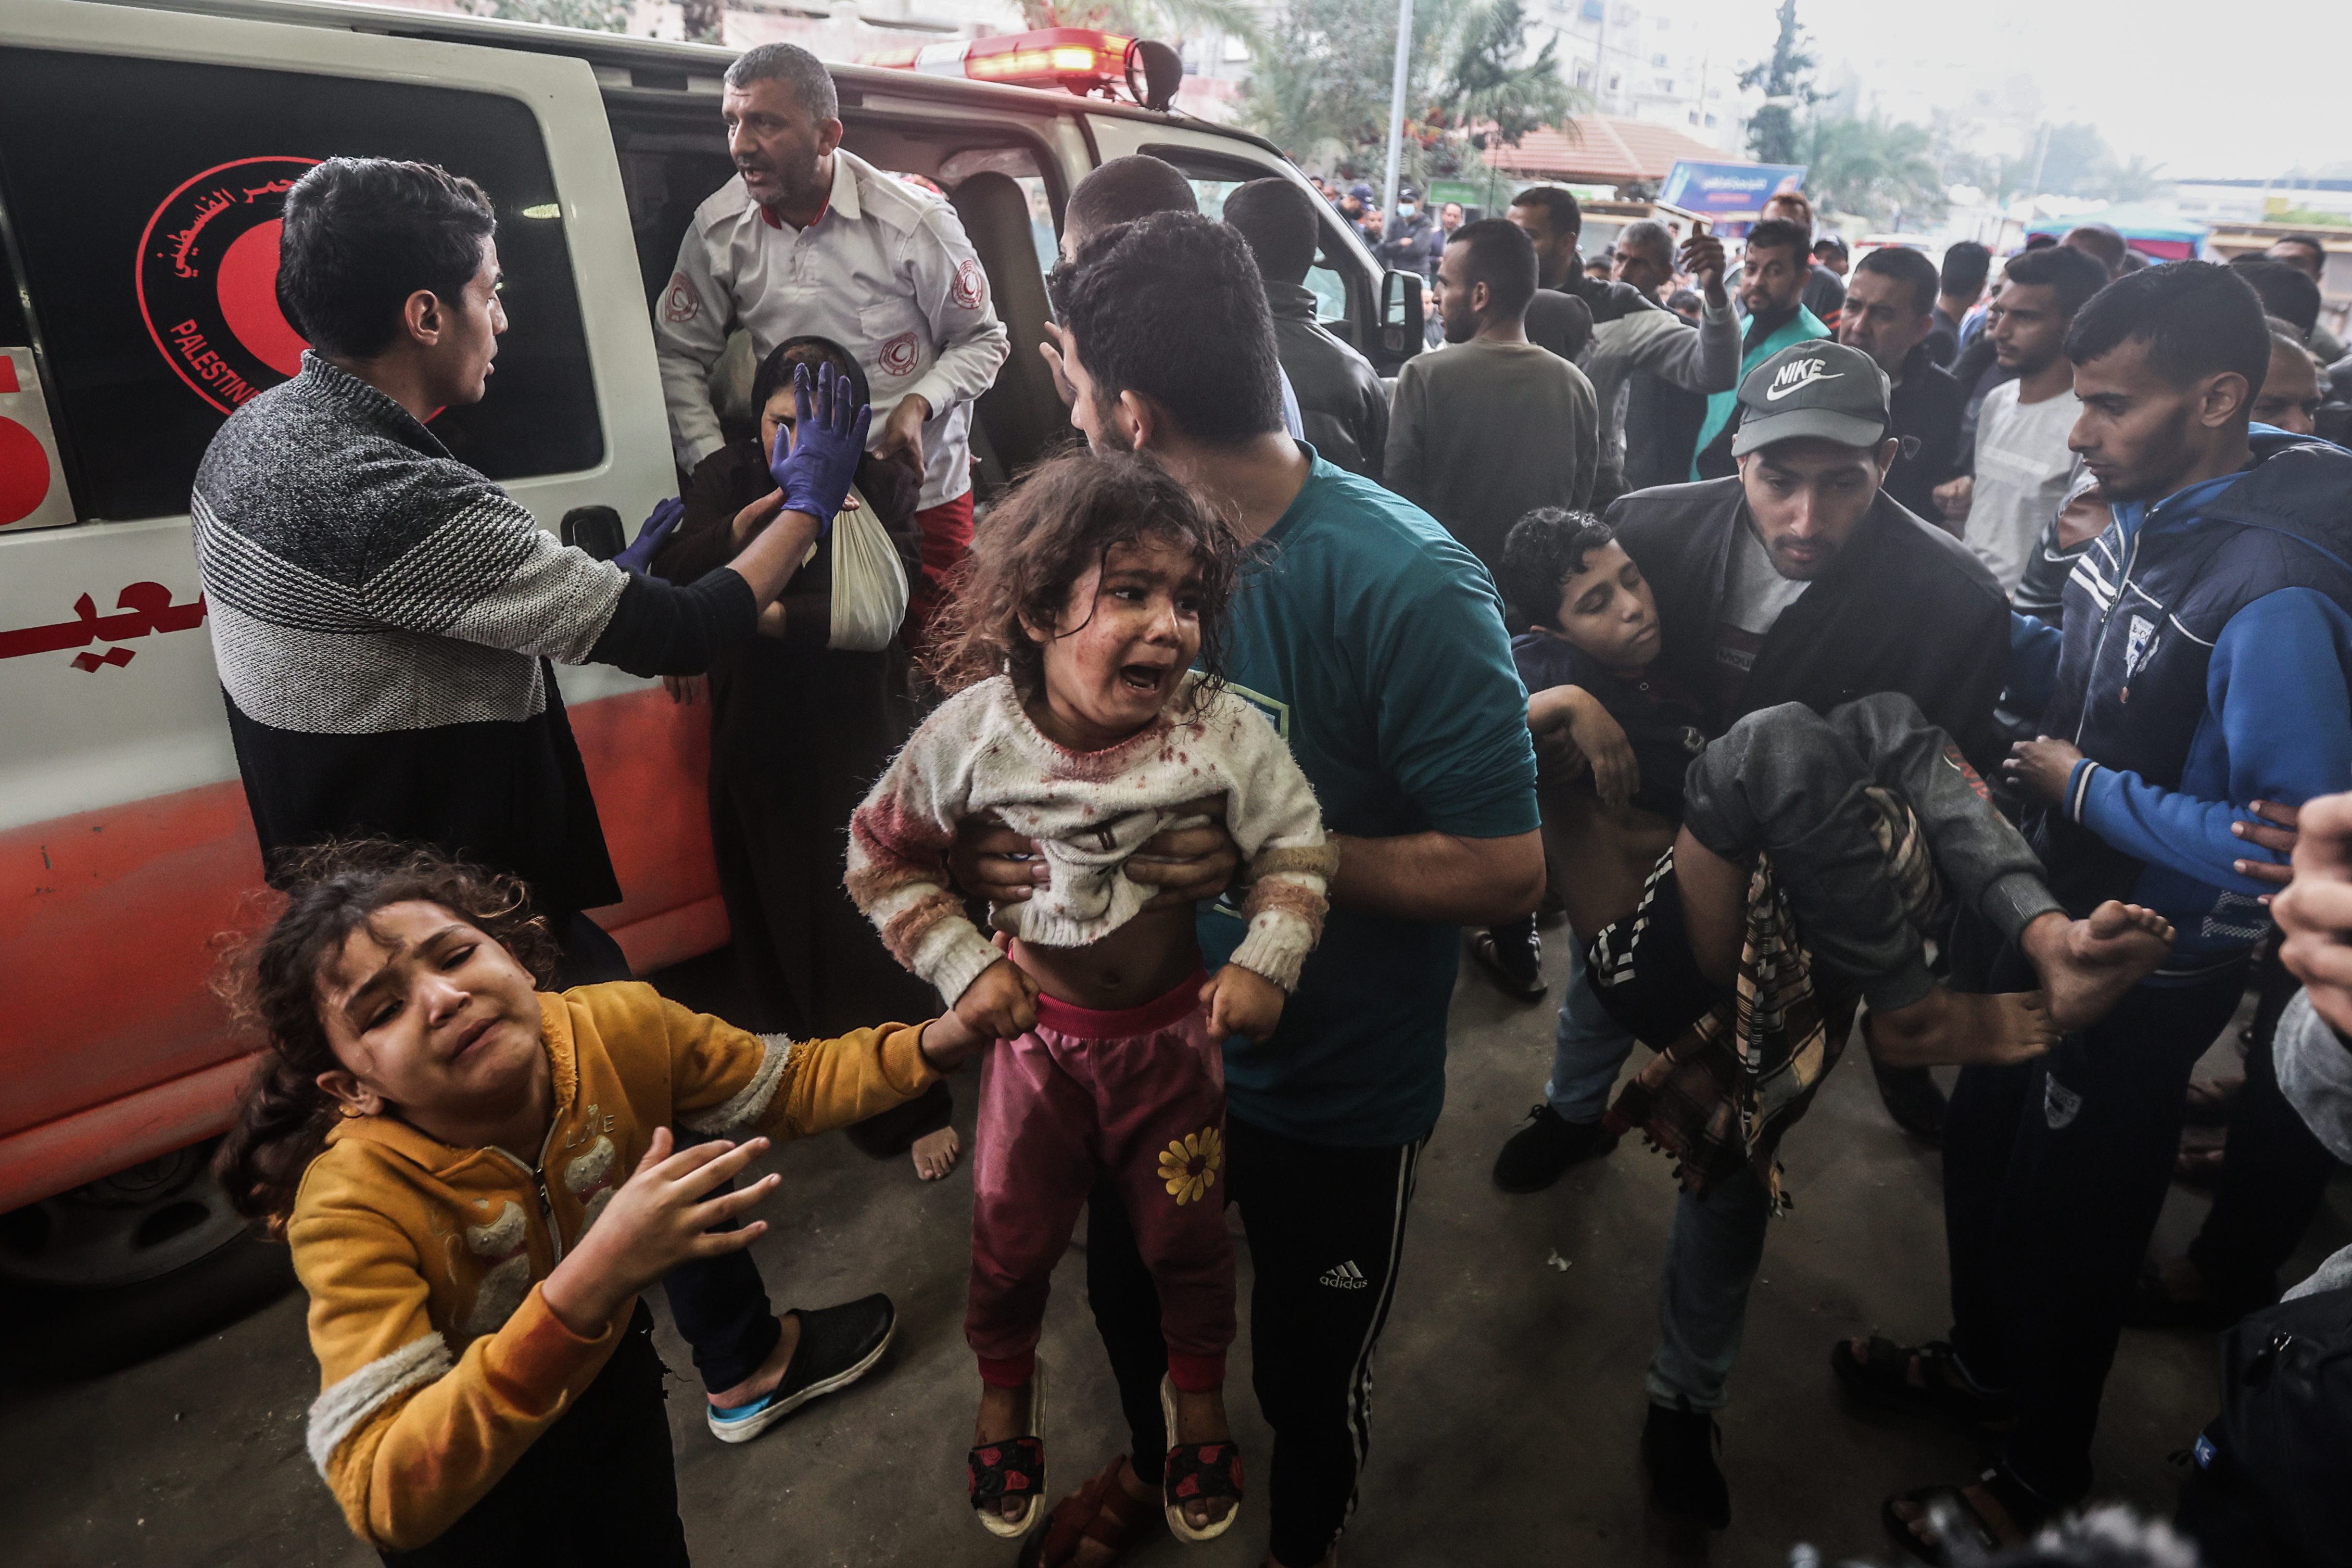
(1139, 962)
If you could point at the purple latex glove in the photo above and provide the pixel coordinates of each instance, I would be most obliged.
(659, 526)
(829, 438)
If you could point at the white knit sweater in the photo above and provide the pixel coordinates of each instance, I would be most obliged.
(1090, 812)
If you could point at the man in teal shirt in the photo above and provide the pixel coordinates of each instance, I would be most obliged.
(1772, 275)
(1376, 645)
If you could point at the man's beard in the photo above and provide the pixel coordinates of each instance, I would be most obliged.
(798, 187)
(2170, 457)
(1460, 332)
(1107, 435)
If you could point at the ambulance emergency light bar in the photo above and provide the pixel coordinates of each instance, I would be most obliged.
(1081, 59)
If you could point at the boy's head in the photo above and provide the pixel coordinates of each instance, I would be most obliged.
(1566, 571)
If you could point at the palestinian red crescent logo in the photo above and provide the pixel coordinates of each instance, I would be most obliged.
(900, 356)
(207, 281)
(682, 302)
(970, 286)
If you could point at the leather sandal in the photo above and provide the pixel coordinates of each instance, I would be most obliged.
(1100, 1511)
(1883, 1378)
(1953, 1518)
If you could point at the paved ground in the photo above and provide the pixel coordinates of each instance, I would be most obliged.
(1509, 1392)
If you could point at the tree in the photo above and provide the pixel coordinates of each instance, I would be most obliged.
(1321, 85)
(1772, 134)
(1164, 19)
(1488, 84)
(1875, 169)
(594, 16)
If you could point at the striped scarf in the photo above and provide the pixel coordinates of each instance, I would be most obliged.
(1724, 1094)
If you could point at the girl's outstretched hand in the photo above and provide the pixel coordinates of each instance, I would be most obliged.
(1241, 1002)
(1001, 1004)
(657, 1220)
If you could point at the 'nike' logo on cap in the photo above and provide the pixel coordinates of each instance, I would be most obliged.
(1797, 375)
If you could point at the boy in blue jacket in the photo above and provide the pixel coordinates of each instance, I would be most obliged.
(2205, 669)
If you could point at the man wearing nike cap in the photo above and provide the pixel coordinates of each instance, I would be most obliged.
(1795, 580)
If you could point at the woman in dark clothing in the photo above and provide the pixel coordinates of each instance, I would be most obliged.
(798, 732)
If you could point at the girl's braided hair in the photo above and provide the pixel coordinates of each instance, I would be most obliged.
(271, 984)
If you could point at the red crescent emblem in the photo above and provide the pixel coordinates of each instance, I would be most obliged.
(970, 286)
(900, 356)
(682, 302)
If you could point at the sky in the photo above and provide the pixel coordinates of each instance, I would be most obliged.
(2169, 81)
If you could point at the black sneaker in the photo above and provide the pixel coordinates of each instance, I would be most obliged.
(1678, 1446)
(1512, 955)
(838, 1346)
(1533, 1157)
(1911, 1097)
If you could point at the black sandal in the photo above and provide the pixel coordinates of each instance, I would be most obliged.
(1196, 1472)
(1883, 1378)
(1014, 1467)
(1948, 1511)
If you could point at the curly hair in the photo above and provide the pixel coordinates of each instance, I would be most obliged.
(1064, 516)
(271, 984)
(1541, 552)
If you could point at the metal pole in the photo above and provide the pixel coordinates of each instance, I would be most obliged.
(1396, 107)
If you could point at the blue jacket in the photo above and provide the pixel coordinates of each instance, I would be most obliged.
(2206, 663)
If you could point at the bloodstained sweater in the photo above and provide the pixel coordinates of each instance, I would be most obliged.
(1090, 812)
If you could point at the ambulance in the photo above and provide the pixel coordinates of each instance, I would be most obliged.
(145, 151)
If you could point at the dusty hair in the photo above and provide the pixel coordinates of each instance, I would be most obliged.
(1063, 518)
(271, 984)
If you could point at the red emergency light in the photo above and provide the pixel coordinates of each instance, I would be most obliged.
(1082, 59)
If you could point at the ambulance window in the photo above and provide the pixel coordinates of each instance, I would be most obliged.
(144, 198)
(1213, 178)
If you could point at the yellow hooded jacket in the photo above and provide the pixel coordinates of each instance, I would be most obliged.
(439, 1361)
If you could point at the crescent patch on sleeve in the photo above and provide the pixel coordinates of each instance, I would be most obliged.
(970, 291)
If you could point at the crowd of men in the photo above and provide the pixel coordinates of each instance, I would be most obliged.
(2079, 437)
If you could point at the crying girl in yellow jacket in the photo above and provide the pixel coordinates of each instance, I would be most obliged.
(477, 1177)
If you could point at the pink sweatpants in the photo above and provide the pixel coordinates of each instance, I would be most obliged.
(1139, 1094)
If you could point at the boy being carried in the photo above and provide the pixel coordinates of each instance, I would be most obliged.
(1739, 901)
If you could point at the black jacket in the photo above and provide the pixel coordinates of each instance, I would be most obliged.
(1905, 607)
(1340, 404)
(1928, 404)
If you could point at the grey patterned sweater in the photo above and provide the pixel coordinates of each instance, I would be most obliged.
(383, 618)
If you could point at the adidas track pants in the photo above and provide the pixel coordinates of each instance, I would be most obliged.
(1326, 1229)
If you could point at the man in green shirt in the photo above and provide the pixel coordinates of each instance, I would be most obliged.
(1772, 274)
(1375, 643)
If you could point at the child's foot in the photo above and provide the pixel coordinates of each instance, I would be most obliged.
(1200, 1421)
(1005, 1415)
(763, 1383)
(2087, 965)
(936, 1152)
(1952, 1028)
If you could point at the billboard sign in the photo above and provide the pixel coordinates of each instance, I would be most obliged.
(1714, 188)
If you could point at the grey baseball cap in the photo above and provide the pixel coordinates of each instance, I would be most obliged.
(1818, 388)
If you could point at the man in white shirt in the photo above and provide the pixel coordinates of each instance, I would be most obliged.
(809, 238)
(2022, 462)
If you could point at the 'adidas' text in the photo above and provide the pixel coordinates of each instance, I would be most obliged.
(1346, 1277)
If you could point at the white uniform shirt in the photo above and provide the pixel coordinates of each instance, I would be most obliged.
(2022, 467)
(885, 271)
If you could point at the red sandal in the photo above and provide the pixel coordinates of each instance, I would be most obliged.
(1100, 1511)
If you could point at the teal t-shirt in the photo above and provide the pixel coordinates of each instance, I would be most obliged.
(1375, 642)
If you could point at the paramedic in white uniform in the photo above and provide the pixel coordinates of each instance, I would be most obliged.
(809, 238)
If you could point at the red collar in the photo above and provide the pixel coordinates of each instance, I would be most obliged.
(773, 221)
